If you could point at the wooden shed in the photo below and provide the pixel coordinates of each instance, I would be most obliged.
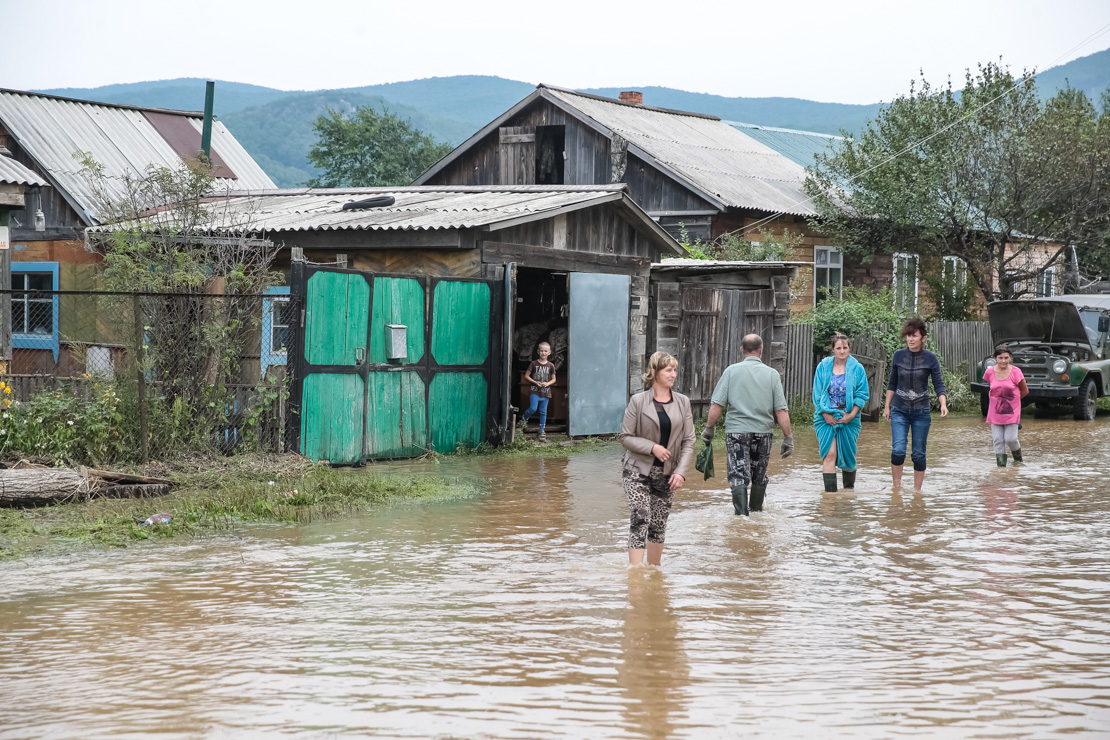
(419, 338)
(701, 310)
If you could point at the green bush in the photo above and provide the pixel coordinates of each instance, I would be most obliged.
(958, 391)
(861, 312)
(734, 248)
(66, 425)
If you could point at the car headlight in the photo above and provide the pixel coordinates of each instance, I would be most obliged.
(990, 363)
(1059, 366)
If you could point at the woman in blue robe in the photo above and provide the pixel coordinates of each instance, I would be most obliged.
(839, 394)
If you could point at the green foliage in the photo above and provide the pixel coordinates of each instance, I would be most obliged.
(861, 312)
(76, 423)
(370, 149)
(958, 392)
(953, 297)
(990, 174)
(733, 247)
(801, 412)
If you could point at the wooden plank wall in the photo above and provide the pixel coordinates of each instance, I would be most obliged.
(597, 230)
(962, 344)
(799, 362)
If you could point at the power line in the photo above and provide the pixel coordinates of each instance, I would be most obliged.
(767, 219)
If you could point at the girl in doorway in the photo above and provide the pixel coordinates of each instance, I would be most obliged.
(1007, 388)
(541, 374)
(839, 394)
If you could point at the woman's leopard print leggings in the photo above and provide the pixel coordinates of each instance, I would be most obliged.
(649, 504)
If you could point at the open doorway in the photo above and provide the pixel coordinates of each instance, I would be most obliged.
(542, 315)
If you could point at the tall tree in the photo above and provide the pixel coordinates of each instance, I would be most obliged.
(990, 174)
(370, 149)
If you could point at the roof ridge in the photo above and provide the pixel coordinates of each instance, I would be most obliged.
(637, 106)
(49, 96)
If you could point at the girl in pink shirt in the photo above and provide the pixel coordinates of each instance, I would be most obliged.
(1007, 384)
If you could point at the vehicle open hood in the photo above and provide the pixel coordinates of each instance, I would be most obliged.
(1045, 321)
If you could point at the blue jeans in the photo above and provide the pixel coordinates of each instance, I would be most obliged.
(535, 402)
(901, 422)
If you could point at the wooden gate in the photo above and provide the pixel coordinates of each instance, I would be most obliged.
(712, 323)
(392, 365)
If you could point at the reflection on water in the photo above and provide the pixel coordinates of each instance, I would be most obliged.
(977, 608)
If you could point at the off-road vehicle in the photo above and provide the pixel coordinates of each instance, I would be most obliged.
(1062, 346)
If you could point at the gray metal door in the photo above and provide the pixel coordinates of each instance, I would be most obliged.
(597, 381)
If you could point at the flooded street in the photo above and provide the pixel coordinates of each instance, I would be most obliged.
(980, 608)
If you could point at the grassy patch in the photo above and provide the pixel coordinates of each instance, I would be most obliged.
(242, 490)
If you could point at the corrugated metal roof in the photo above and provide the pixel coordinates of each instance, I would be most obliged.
(15, 173)
(416, 208)
(52, 129)
(799, 146)
(716, 158)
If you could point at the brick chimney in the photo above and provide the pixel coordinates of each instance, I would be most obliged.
(633, 97)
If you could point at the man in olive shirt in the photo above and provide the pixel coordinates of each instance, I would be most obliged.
(752, 393)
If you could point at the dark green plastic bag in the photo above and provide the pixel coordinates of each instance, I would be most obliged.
(704, 463)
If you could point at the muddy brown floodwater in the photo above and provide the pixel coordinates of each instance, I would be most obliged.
(980, 608)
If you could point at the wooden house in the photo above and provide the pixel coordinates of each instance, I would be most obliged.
(688, 171)
(48, 135)
(416, 309)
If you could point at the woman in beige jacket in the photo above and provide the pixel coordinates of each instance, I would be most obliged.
(658, 438)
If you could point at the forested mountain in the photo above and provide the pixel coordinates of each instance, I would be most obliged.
(276, 125)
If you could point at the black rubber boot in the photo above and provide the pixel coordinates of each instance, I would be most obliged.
(1001, 460)
(740, 500)
(830, 482)
(849, 479)
(1017, 455)
(759, 492)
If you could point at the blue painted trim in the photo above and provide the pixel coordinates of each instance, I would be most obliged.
(270, 358)
(38, 341)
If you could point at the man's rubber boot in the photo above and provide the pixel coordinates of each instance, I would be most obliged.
(1017, 455)
(740, 500)
(759, 492)
(830, 482)
(849, 479)
(1001, 460)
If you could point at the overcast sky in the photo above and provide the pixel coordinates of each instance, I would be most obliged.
(847, 52)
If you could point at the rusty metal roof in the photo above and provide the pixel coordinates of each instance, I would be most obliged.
(427, 208)
(707, 153)
(51, 130)
(15, 173)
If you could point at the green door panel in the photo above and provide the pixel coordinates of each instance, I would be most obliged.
(336, 318)
(331, 417)
(457, 410)
(396, 422)
(397, 301)
(460, 323)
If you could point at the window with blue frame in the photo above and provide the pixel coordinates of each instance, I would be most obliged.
(35, 314)
(277, 320)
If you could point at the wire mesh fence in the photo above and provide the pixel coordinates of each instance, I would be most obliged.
(99, 376)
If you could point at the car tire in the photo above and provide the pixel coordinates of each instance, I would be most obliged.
(984, 403)
(1086, 401)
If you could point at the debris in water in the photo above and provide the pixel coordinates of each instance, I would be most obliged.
(157, 519)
